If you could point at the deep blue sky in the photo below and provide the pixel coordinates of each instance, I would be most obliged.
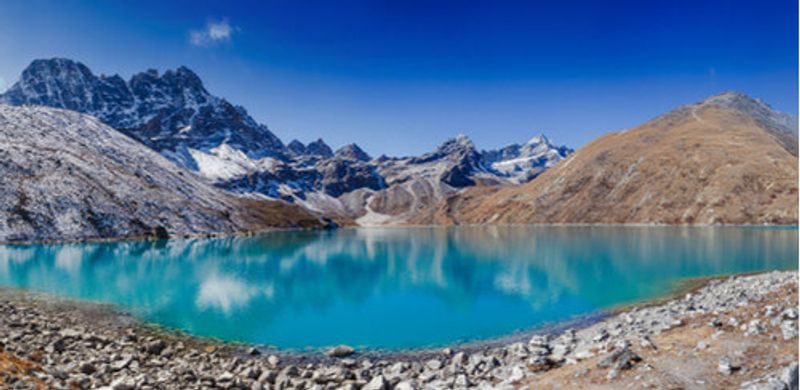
(398, 77)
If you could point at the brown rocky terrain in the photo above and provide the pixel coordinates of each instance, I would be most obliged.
(728, 159)
(750, 350)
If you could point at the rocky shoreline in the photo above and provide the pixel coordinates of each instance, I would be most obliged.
(51, 343)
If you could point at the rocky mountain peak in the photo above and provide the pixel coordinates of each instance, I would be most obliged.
(782, 125)
(352, 152)
(454, 148)
(296, 148)
(461, 141)
(184, 72)
(319, 148)
(57, 81)
(175, 88)
(56, 68)
(460, 160)
(755, 108)
(462, 138)
(538, 140)
(524, 162)
(183, 79)
(170, 112)
(732, 98)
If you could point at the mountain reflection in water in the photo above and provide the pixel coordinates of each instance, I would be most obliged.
(391, 287)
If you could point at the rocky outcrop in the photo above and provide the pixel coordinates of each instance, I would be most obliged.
(340, 176)
(723, 160)
(67, 176)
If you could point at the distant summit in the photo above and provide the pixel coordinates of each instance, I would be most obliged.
(526, 161)
(352, 152)
(296, 148)
(319, 148)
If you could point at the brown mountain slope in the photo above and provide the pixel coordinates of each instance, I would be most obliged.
(727, 159)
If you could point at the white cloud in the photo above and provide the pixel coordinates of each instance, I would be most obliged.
(213, 33)
(2, 84)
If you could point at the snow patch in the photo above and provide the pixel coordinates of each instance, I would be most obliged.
(225, 162)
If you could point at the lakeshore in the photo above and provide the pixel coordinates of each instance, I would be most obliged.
(733, 332)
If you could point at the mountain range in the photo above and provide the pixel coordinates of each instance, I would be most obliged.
(726, 159)
(173, 114)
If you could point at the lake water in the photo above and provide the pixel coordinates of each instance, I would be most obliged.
(391, 287)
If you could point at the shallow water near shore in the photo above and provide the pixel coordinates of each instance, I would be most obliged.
(391, 288)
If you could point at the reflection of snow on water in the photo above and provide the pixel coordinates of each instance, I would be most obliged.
(225, 293)
(69, 258)
(513, 283)
(10, 254)
(391, 287)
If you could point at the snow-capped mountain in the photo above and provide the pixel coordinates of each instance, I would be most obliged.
(460, 157)
(524, 162)
(175, 115)
(171, 113)
(65, 175)
(352, 187)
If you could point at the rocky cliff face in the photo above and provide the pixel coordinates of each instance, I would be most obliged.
(171, 113)
(727, 159)
(66, 176)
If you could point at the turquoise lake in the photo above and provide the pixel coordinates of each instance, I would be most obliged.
(391, 287)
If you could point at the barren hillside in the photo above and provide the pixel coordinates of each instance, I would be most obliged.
(727, 159)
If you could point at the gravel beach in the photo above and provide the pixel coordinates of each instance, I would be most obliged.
(733, 332)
